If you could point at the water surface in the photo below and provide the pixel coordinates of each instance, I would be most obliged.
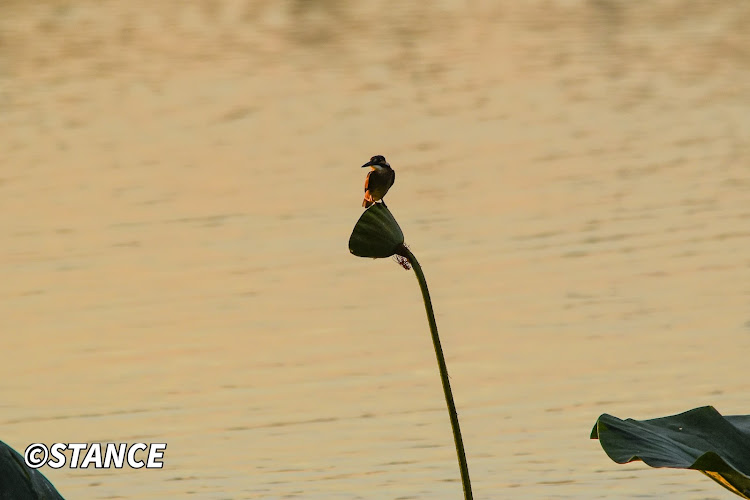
(178, 185)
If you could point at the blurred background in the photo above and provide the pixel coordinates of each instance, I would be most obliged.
(179, 180)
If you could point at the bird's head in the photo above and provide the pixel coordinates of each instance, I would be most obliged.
(377, 162)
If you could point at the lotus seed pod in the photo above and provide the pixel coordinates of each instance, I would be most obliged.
(376, 234)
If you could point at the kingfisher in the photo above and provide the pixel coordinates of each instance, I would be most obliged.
(379, 180)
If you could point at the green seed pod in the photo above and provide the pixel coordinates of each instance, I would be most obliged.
(376, 234)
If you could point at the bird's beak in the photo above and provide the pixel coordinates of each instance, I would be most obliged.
(368, 164)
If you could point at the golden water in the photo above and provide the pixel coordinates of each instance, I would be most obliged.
(177, 188)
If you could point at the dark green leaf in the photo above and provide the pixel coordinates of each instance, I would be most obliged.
(700, 439)
(19, 482)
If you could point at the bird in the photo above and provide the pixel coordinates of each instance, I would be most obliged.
(379, 180)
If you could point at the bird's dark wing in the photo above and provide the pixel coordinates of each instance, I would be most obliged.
(393, 177)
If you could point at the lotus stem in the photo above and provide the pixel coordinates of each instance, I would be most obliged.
(405, 252)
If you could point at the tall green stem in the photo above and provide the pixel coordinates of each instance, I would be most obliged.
(443, 371)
